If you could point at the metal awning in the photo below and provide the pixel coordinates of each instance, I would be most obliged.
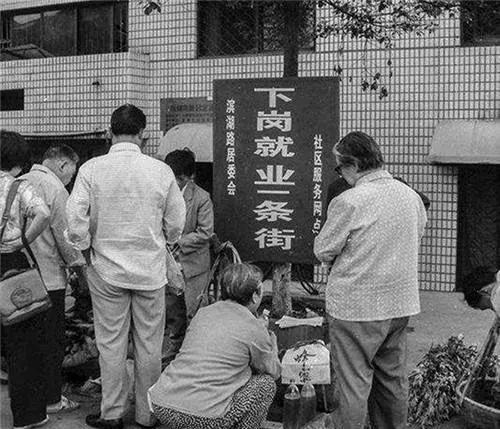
(194, 136)
(466, 142)
(103, 133)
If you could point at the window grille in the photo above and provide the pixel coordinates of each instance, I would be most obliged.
(248, 27)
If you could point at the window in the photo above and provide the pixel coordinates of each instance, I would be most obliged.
(480, 22)
(247, 27)
(87, 28)
(11, 99)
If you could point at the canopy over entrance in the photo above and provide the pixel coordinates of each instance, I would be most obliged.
(466, 142)
(195, 136)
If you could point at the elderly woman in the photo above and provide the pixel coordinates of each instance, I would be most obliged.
(371, 237)
(223, 376)
(22, 341)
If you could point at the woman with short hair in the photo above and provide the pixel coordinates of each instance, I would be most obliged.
(223, 376)
(23, 340)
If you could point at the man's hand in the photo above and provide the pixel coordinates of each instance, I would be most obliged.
(81, 274)
(175, 249)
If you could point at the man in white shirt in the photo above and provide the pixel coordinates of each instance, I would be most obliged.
(54, 256)
(124, 209)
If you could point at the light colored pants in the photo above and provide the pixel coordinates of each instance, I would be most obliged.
(118, 311)
(369, 359)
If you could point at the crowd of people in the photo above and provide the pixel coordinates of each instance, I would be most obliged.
(219, 369)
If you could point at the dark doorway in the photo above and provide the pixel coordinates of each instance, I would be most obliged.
(478, 241)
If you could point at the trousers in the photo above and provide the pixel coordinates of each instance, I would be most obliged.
(23, 343)
(53, 346)
(369, 360)
(119, 312)
(248, 409)
(180, 309)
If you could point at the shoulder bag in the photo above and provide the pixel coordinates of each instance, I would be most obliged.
(22, 292)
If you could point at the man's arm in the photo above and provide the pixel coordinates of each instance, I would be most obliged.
(58, 225)
(174, 215)
(334, 234)
(78, 212)
(200, 237)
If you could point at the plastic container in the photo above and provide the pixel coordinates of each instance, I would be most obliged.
(291, 408)
(307, 408)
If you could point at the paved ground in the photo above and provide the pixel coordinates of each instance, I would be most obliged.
(443, 315)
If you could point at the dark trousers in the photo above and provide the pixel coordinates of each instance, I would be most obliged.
(54, 345)
(23, 349)
(175, 324)
(369, 359)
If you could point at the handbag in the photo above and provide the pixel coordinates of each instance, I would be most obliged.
(22, 292)
(175, 278)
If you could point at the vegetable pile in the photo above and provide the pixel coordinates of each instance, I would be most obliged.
(433, 396)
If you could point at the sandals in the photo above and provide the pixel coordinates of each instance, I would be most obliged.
(64, 405)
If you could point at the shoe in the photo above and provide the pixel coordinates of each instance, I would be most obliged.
(64, 405)
(34, 425)
(95, 421)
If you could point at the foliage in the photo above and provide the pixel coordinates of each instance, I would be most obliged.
(379, 22)
(371, 21)
(433, 396)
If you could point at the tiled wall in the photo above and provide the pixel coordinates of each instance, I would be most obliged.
(434, 79)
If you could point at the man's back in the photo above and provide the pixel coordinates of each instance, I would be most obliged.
(135, 205)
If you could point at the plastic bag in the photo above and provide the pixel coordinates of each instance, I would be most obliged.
(175, 278)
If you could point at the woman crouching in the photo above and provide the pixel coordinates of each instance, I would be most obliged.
(223, 376)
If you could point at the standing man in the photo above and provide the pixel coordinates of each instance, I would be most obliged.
(372, 233)
(193, 250)
(124, 209)
(54, 256)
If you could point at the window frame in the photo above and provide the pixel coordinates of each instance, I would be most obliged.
(7, 16)
(473, 40)
(259, 38)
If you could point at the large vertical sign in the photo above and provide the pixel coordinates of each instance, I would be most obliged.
(272, 164)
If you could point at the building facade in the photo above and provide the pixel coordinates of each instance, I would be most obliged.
(62, 75)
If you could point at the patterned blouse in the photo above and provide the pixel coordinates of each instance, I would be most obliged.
(23, 207)
(372, 234)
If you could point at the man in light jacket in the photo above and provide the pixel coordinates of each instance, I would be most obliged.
(54, 256)
(124, 209)
(192, 251)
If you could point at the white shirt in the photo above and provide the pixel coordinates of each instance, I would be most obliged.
(126, 206)
(372, 233)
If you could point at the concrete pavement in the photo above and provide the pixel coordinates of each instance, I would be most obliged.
(443, 315)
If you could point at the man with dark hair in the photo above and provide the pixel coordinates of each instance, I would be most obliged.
(54, 255)
(124, 209)
(193, 251)
(481, 288)
(372, 234)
